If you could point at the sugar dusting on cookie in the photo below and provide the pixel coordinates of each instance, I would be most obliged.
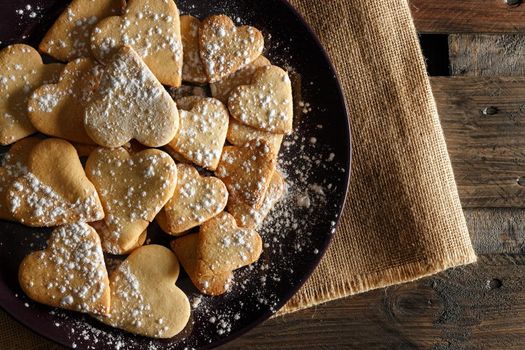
(226, 48)
(46, 206)
(202, 133)
(70, 273)
(70, 35)
(196, 200)
(152, 28)
(145, 182)
(130, 103)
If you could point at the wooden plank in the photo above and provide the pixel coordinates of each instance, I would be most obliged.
(487, 55)
(497, 230)
(467, 16)
(480, 306)
(486, 145)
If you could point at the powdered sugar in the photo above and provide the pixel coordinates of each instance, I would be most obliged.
(130, 103)
(46, 206)
(202, 133)
(74, 274)
(29, 12)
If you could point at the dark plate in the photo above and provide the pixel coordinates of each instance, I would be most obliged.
(316, 160)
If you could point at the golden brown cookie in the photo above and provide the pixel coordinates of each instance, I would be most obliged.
(133, 188)
(247, 216)
(21, 71)
(192, 69)
(130, 103)
(225, 48)
(103, 231)
(55, 190)
(58, 109)
(221, 90)
(202, 133)
(186, 250)
(222, 246)
(70, 36)
(266, 103)
(240, 134)
(247, 171)
(152, 28)
(144, 297)
(70, 273)
(14, 165)
(196, 200)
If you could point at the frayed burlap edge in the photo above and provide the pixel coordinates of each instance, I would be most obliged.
(315, 294)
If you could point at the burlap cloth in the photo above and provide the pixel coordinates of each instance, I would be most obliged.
(403, 218)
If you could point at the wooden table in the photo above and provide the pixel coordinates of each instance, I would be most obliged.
(475, 51)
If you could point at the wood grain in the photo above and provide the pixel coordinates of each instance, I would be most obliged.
(487, 55)
(467, 16)
(487, 150)
(480, 306)
(497, 230)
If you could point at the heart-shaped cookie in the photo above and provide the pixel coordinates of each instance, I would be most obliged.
(130, 103)
(193, 69)
(186, 250)
(196, 200)
(152, 28)
(103, 231)
(265, 104)
(225, 48)
(55, 190)
(223, 246)
(21, 71)
(14, 165)
(247, 171)
(144, 297)
(70, 36)
(133, 188)
(58, 109)
(202, 133)
(70, 273)
(221, 90)
(247, 216)
(240, 134)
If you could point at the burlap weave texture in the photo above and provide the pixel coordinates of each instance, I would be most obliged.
(403, 218)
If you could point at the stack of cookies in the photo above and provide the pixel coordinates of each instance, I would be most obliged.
(203, 167)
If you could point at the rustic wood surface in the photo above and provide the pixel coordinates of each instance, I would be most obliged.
(468, 16)
(487, 54)
(482, 121)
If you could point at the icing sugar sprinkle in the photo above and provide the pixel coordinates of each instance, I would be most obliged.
(74, 255)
